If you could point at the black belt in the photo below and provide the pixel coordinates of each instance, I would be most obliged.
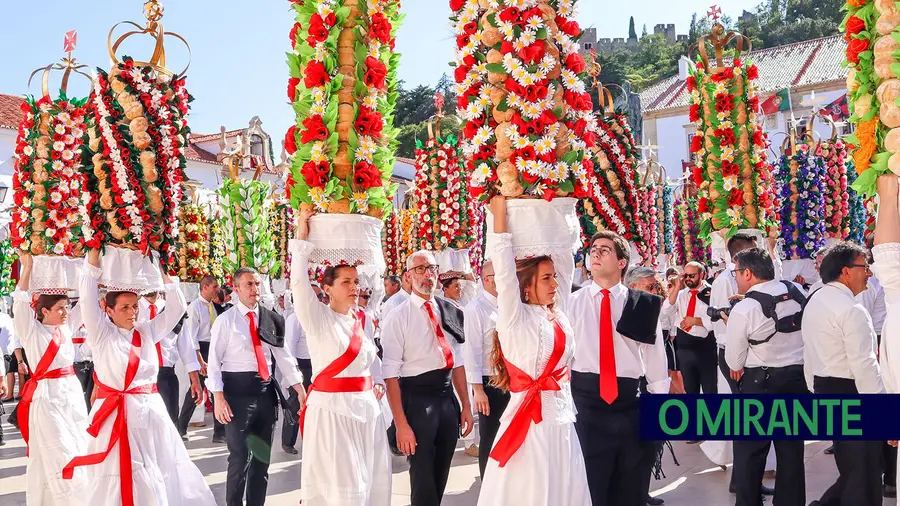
(586, 392)
(685, 340)
(244, 383)
(169, 369)
(436, 382)
(783, 369)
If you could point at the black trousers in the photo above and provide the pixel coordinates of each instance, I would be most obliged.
(488, 426)
(167, 383)
(433, 413)
(735, 386)
(614, 455)
(750, 456)
(254, 406)
(858, 462)
(697, 362)
(289, 426)
(84, 371)
(651, 448)
(188, 406)
(889, 454)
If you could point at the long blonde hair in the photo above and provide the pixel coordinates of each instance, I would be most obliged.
(526, 272)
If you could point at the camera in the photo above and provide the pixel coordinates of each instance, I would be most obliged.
(714, 312)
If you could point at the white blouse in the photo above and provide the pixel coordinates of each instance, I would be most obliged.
(887, 269)
(35, 337)
(526, 336)
(328, 336)
(110, 345)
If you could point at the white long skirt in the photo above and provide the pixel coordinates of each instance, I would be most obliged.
(162, 471)
(548, 469)
(345, 462)
(57, 424)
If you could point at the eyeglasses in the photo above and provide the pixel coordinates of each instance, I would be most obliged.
(422, 269)
(323, 297)
(867, 267)
(601, 251)
(691, 276)
(365, 296)
(735, 271)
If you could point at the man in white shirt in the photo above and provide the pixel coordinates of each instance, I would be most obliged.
(767, 358)
(245, 339)
(422, 366)
(202, 314)
(480, 326)
(398, 298)
(618, 340)
(724, 295)
(840, 358)
(295, 343)
(169, 350)
(695, 343)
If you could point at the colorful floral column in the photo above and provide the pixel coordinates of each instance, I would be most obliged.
(522, 95)
(247, 226)
(800, 178)
(343, 89)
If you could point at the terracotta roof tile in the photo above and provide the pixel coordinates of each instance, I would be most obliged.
(793, 65)
(218, 135)
(10, 112)
(199, 154)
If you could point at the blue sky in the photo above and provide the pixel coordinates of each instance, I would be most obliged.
(238, 68)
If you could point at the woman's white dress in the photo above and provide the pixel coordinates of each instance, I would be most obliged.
(887, 269)
(548, 468)
(346, 460)
(162, 471)
(57, 419)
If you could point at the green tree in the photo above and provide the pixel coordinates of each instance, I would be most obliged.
(632, 34)
(409, 134)
(413, 106)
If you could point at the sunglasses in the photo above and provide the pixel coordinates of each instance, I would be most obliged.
(364, 296)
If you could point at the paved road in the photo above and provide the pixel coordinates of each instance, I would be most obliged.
(694, 481)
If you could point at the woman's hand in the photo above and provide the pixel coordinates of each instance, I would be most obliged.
(498, 209)
(26, 261)
(93, 257)
(302, 231)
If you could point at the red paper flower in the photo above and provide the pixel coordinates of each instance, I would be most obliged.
(511, 15)
(315, 74)
(854, 47)
(380, 28)
(703, 205)
(578, 101)
(736, 198)
(366, 175)
(456, 5)
(317, 30)
(696, 143)
(854, 26)
(752, 72)
(694, 112)
(533, 53)
(726, 136)
(292, 88)
(730, 168)
(315, 130)
(376, 73)
(691, 83)
(369, 122)
(724, 102)
(294, 30)
(316, 174)
(290, 140)
(575, 62)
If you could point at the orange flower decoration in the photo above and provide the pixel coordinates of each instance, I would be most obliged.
(865, 134)
(856, 3)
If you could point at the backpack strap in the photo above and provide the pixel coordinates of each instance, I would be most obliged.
(769, 302)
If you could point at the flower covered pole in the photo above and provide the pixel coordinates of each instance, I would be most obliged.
(343, 89)
(193, 258)
(247, 230)
(872, 30)
(801, 180)
(689, 246)
(835, 188)
(390, 242)
(729, 147)
(522, 95)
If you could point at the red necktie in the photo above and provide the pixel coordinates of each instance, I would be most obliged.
(609, 386)
(692, 305)
(261, 366)
(445, 347)
(158, 347)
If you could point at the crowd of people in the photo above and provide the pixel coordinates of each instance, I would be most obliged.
(553, 374)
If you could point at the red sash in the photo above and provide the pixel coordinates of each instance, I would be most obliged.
(530, 409)
(326, 380)
(114, 402)
(42, 372)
